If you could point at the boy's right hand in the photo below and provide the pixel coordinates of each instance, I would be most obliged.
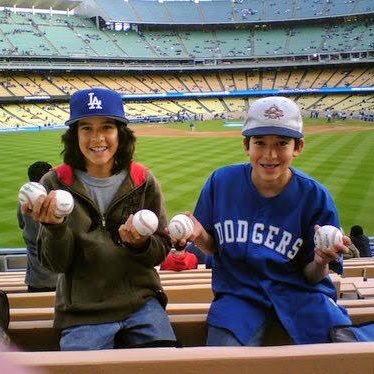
(43, 209)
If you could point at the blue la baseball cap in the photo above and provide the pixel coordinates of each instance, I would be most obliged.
(96, 102)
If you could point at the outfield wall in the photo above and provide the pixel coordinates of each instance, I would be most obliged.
(197, 95)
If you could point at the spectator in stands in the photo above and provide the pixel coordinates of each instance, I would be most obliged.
(360, 240)
(179, 259)
(108, 294)
(38, 278)
(258, 219)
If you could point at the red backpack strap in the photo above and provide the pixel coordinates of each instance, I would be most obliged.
(65, 174)
(138, 173)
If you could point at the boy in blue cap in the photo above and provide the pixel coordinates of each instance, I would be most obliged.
(108, 294)
(258, 220)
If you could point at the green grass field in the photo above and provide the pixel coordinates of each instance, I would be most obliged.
(342, 161)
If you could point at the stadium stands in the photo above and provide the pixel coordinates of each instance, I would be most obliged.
(25, 34)
(60, 85)
(225, 12)
(245, 48)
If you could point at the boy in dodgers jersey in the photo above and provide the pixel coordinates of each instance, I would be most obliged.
(258, 219)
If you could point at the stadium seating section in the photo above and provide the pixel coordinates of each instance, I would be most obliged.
(25, 34)
(62, 84)
(223, 11)
(252, 31)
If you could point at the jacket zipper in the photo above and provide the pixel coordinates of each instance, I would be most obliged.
(102, 217)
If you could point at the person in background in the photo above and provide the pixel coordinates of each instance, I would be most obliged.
(108, 294)
(37, 278)
(360, 240)
(179, 259)
(202, 257)
(258, 219)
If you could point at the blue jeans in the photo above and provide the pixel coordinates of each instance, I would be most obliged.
(218, 336)
(149, 325)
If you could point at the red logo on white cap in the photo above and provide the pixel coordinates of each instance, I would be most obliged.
(273, 112)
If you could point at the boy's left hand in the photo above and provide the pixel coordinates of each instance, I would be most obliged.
(333, 253)
(130, 235)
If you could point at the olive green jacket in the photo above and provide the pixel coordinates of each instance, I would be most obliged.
(102, 279)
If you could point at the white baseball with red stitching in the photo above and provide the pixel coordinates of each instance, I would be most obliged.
(327, 236)
(64, 203)
(145, 222)
(30, 192)
(180, 227)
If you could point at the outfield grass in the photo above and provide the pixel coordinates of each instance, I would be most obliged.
(342, 161)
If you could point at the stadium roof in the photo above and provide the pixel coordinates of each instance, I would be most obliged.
(41, 4)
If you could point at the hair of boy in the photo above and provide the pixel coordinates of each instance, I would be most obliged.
(73, 156)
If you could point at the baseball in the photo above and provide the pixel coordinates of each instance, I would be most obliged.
(327, 236)
(30, 192)
(145, 222)
(180, 227)
(64, 203)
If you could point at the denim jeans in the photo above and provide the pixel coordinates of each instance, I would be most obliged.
(149, 325)
(222, 337)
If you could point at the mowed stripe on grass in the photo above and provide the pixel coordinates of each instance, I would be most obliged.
(342, 161)
(190, 161)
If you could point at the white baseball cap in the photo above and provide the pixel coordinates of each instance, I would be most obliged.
(274, 115)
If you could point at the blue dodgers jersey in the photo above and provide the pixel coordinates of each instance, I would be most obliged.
(263, 243)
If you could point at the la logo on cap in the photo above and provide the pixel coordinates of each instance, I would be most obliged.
(94, 102)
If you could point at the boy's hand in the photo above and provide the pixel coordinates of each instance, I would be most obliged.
(332, 253)
(43, 209)
(130, 235)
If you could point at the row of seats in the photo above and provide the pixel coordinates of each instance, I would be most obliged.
(189, 296)
(344, 358)
(12, 115)
(42, 116)
(226, 11)
(45, 115)
(26, 35)
(57, 84)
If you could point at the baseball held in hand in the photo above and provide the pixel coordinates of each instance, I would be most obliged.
(64, 203)
(327, 236)
(145, 222)
(30, 192)
(180, 227)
